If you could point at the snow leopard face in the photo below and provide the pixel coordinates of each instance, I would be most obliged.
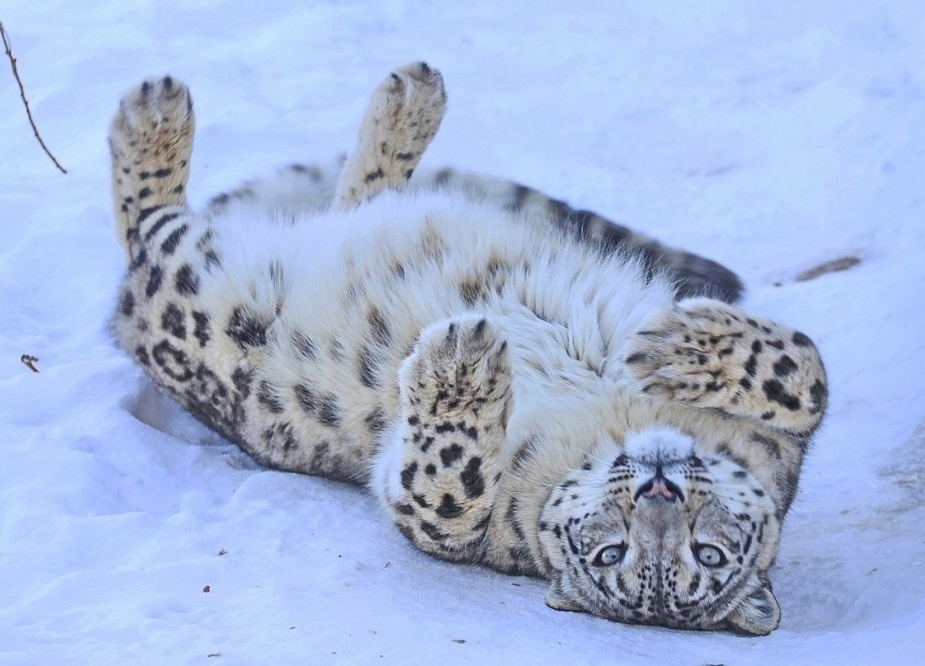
(660, 534)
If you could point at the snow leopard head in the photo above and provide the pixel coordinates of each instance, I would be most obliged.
(661, 534)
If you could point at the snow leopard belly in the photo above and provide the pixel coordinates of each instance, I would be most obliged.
(292, 342)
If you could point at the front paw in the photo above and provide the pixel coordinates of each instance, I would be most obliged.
(711, 355)
(458, 367)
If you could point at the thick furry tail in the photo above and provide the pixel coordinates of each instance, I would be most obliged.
(300, 188)
(692, 274)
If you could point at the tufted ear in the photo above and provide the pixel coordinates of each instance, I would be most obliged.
(555, 599)
(758, 613)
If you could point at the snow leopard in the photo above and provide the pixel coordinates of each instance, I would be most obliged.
(512, 387)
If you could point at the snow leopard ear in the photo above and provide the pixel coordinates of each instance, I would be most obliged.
(758, 613)
(555, 599)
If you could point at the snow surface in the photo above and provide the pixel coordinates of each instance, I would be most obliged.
(772, 136)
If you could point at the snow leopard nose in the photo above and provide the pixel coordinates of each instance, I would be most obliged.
(658, 487)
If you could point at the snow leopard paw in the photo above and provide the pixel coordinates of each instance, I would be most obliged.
(439, 473)
(711, 355)
(402, 118)
(150, 140)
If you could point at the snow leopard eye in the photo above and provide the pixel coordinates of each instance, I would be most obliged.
(609, 555)
(709, 556)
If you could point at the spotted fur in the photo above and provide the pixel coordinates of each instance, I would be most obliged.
(300, 188)
(512, 394)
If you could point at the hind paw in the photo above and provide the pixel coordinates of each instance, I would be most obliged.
(154, 127)
(151, 138)
(410, 104)
(402, 118)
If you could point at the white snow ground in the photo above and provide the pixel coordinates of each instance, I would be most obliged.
(770, 136)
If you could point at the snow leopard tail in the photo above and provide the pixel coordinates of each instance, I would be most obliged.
(693, 275)
(300, 187)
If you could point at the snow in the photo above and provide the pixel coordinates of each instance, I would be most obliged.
(773, 137)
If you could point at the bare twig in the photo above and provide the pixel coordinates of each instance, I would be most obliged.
(22, 93)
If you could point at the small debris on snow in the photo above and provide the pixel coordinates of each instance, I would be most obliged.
(840, 264)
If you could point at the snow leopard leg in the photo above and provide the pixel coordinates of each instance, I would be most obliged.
(191, 347)
(403, 116)
(150, 140)
(712, 355)
(438, 473)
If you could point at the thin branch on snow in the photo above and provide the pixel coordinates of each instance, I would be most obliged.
(22, 93)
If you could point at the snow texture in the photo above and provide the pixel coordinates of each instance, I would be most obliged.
(771, 136)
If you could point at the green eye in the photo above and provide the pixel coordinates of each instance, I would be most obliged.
(609, 555)
(710, 556)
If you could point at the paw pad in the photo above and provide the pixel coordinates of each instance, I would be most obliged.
(156, 115)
